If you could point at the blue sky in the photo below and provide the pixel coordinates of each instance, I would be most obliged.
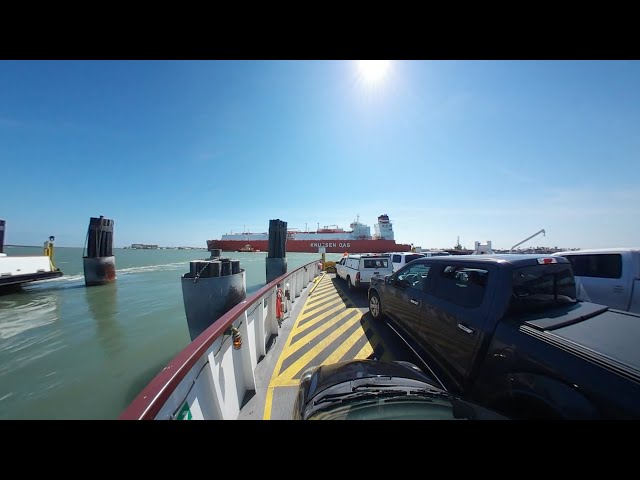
(178, 152)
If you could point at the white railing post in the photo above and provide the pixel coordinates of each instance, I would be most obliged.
(292, 287)
(248, 350)
(271, 323)
(259, 328)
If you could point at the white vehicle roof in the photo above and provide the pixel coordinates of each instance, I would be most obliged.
(367, 255)
(598, 250)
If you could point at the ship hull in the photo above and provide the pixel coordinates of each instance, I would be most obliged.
(313, 246)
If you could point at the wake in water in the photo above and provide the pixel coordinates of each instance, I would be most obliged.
(75, 281)
(17, 317)
(152, 268)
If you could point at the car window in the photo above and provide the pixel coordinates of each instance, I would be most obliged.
(396, 259)
(376, 263)
(603, 265)
(414, 277)
(461, 285)
(540, 287)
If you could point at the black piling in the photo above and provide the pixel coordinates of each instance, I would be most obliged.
(209, 290)
(276, 258)
(235, 266)
(2, 224)
(225, 267)
(98, 259)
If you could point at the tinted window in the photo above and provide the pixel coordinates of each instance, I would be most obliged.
(409, 258)
(396, 259)
(605, 265)
(540, 287)
(461, 285)
(414, 277)
(376, 263)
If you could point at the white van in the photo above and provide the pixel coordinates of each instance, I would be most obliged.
(358, 269)
(608, 276)
(400, 259)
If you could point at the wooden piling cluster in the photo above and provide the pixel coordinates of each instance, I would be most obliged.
(276, 261)
(277, 239)
(98, 260)
(100, 237)
(220, 267)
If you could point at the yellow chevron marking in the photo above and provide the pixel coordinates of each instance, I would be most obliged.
(311, 354)
(309, 311)
(314, 332)
(366, 350)
(337, 310)
(339, 352)
(313, 310)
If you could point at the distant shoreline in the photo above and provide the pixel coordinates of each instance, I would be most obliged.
(11, 245)
(39, 246)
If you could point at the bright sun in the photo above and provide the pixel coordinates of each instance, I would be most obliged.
(373, 71)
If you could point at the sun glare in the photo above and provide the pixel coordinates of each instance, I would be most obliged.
(373, 71)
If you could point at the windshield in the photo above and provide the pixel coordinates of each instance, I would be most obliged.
(405, 408)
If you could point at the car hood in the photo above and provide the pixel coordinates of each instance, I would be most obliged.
(326, 376)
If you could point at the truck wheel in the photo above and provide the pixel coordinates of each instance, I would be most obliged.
(375, 306)
(349, 284)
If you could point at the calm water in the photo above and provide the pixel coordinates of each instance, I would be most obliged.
(72, 352)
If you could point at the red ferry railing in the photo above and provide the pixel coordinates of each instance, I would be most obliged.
(162, 389)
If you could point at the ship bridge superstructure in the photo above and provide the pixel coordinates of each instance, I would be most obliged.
(384, 229)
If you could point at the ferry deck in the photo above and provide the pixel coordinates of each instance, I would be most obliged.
(323, 324)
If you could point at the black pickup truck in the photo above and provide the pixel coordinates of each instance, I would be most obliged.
(506, 332)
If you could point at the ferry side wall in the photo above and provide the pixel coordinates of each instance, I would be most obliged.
(210, 378)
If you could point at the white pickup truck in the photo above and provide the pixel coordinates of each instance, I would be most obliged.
(608, 276)
(358, 269)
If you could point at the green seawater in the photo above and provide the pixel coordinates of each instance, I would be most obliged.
(73, 352)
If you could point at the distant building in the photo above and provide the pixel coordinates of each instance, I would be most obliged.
(144, 246)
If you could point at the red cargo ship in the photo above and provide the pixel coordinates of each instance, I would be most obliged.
(332, 238)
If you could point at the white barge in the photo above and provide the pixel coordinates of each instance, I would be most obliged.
(16, 270)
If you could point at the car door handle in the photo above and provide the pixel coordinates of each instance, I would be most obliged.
(618, 289)
(415, 302)
(464, 329)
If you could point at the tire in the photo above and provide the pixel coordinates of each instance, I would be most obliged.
(349, 284)
(375, 306)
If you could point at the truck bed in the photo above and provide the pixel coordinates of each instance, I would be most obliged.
(597, 333)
